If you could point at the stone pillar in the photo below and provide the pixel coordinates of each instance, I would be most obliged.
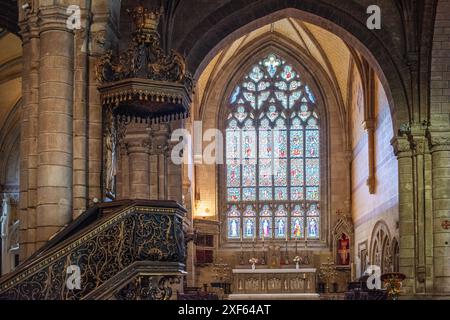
(174, 171)
(102, 35)
(440, 150)
(80, 114)
(55, 115)
(159, 166)
(420, 172)
(402, 149)
(33, 159)
(138, 147)
(123, 174)
(24, 144)
(29, 131)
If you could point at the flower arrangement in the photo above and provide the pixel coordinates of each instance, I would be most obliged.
(253, 261)
(297, 259)
(393, 284)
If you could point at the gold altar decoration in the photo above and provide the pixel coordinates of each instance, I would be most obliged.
(144, 81)
(327, 273)
(222, 272)
(269, 280)
(393, 284)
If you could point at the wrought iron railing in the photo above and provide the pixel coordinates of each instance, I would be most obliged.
(136, 251)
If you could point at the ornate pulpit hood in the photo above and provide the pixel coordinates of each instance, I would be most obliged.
(144, 81)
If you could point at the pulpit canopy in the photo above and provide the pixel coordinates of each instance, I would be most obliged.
(144, 81)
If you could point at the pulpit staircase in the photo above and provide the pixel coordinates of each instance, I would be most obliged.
(121, 250)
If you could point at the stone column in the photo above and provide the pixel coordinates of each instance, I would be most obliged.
(174, 171)
(123, 174)
(33, 159)
(80, 116)
(420, 173)
(159, 166)
(403, 151)
(55, 115)
(102, 35)
(440, 150)
(24, 143)
(29, 127)
(138, 147)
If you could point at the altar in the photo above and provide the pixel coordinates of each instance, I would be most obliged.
(282, 281)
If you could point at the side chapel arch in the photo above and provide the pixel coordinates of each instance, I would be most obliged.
(380, 247)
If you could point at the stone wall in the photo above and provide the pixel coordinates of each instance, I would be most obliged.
(367, 208)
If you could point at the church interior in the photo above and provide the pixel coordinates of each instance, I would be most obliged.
(225, 149)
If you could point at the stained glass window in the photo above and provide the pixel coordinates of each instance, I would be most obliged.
(273, 175)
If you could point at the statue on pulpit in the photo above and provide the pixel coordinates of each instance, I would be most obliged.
(343, 250)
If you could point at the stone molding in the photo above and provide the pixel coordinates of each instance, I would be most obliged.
(402, 147)
(438, 141)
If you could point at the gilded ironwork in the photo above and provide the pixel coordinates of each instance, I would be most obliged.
(144, 58)
(148, 288)
(136, 233)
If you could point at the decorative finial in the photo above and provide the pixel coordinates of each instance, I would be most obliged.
(145, 20)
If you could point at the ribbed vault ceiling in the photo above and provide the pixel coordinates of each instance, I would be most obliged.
(327, 49)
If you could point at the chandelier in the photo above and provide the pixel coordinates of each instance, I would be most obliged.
(144, 81)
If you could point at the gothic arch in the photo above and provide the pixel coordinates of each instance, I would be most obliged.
(9, 148)
(212, 108)
(390, 69)
(233, 71)
(380, 247)
(395, 255)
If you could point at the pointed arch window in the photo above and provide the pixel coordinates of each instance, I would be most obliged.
(272, 155)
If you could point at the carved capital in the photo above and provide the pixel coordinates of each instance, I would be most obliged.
(439, 141)
(402, 147)
(53, 17)
(161, 137)
(142, 145)
(418, 144)
(137, 142)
